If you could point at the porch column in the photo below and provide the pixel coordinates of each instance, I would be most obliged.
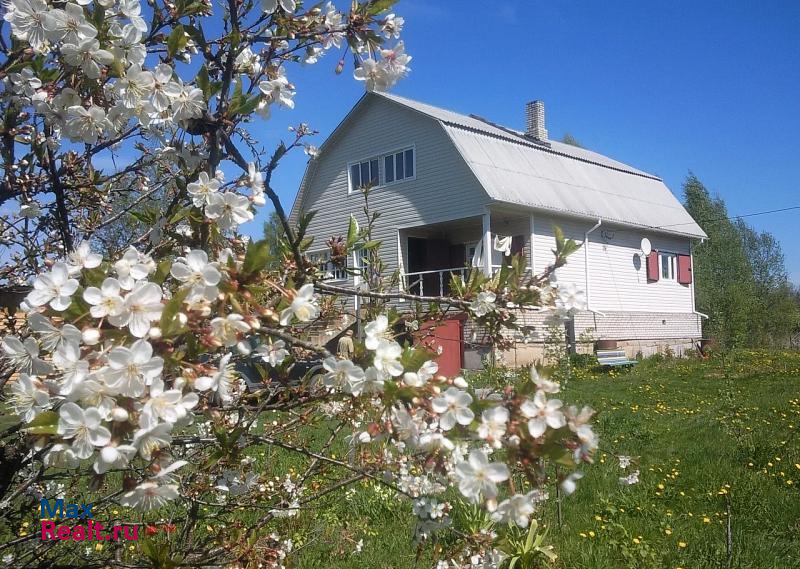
(487, 243)
(531, 251)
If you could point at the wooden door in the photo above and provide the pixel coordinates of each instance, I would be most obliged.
(444, 338)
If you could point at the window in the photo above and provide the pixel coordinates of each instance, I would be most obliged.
(398, 166)
(331, 271)
(669, 264)
(363, 173)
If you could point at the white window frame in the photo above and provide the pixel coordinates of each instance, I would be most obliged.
(319, 257)
(350, 165)
(381, 158)
(672, 266)
(382, 165)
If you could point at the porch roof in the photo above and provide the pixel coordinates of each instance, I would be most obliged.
(559, 177)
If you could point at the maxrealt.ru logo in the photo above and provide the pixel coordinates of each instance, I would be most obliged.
(87, 531)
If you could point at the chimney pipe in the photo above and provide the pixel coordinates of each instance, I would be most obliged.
(534, 120)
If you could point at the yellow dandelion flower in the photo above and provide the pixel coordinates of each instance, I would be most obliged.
(592, 534)
(682, 544)
(636, 540)
(668, 531)
(706, 520)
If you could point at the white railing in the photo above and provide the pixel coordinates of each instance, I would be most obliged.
(437, 282)
(432, 283)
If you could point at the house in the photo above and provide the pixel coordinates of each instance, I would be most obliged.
(446, 184)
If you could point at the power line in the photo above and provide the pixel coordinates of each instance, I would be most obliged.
(733, 217)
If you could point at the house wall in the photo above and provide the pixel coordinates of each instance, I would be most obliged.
(617, 272)
(444, 187)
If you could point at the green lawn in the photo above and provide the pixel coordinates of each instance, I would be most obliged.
(704, 433)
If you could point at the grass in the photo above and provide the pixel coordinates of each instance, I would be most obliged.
(704, 435)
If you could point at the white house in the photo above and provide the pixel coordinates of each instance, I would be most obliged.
(446, 183)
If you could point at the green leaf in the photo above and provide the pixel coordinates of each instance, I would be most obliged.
(45, 423)
(169, 324)
(378, 6)
(176, 41)
(162, 271)
(247, 105)
(352, 231)
(203, 82)
(256, 256)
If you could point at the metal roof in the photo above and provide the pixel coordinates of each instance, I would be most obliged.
(559, 177)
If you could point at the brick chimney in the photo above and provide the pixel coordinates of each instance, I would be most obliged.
(534, 120)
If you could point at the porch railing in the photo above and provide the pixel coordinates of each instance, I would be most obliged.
(437, 282)
(432, 283)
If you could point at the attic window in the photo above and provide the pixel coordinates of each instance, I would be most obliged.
(398, 166)
(364, 173)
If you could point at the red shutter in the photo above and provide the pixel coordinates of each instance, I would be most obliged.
(684, 269)
(653, 270)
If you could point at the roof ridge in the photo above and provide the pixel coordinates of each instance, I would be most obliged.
(517, 137)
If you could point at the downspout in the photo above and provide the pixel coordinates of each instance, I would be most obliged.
(691, 256)
(586, 265)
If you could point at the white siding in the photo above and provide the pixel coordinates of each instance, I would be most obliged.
(618, 275)
(444, 187)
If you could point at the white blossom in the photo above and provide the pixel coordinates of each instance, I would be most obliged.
(387, 354)
(83, 427)
(202, 190)
(493, 425)
(142, 306)
(83, 258)
(228, 209)
(542, 413)
(149, 496)
(88, 56)
(453, 408)
(195, 271)
(106, 300)
(303, 307)
(219, 382)
(376, 331)
(131, 369)
(67, 359)
(483, 304)
(478, 478)
(24, 356)
(113, 456)
(27, 19)
(54, 288)
(68, 25)
(270, 6)
(344, 375)
(227, 329)
(28, 397)
(273, 352)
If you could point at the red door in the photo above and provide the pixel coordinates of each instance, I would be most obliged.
(444, 338)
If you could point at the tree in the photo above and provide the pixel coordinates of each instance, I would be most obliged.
(723, 277)
(129, 392)
(571, 140)
(740, 276)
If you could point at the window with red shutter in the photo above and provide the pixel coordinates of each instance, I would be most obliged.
(653, 270)
(684, 269)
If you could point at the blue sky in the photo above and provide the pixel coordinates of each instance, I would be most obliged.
(711, 87)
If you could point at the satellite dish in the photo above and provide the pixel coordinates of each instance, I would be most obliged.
(646, 247)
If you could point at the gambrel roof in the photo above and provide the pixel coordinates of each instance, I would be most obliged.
(551, 176)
